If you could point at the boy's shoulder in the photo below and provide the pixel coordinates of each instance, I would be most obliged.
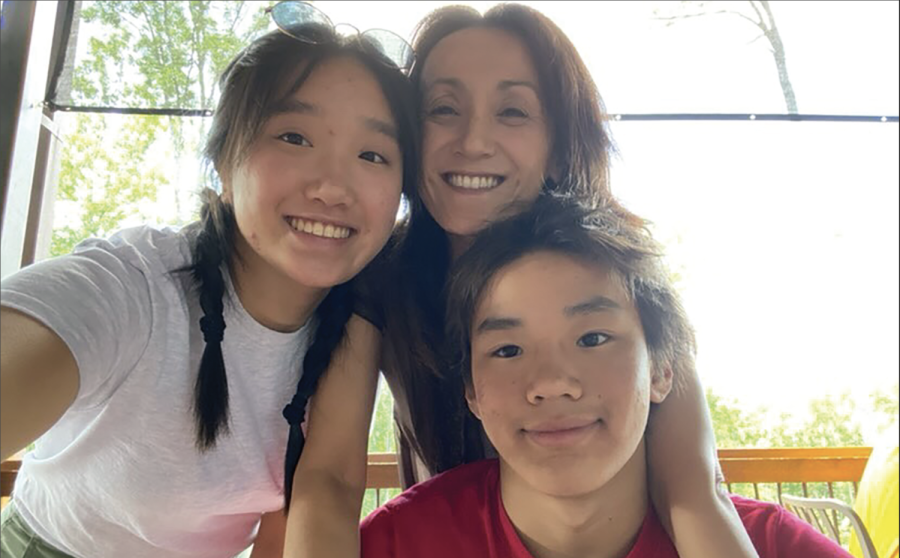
(445, 515)
(467, 485)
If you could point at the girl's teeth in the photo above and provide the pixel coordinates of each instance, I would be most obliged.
(319, 229)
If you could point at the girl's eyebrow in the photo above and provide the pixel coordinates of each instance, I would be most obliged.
(382, 127)
(297, 106)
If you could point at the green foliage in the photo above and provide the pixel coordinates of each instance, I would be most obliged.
(107, 183)
(734, 427)
(830, 423)
(887, 405)
(142, 54)
(381, 437)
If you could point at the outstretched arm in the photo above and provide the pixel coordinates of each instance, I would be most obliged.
(38, 380)
(685, 479)
(330, 479)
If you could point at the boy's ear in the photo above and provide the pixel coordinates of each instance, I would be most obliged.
(660, 383)
(472, 401)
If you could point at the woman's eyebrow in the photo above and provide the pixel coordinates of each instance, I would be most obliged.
(452, 82)
(510, 83)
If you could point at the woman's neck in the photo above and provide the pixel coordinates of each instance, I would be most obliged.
(602, 524)
(270, 297)
(459, 245)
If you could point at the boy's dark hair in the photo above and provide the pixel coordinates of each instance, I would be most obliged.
(442, 435)
(256, 81)
(607, 235)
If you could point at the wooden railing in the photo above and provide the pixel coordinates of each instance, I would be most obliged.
(754, 467)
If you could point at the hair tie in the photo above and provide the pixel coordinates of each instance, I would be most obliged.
(213, 328)
(294, 412)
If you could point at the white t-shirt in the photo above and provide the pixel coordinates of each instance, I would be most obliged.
(119, 474)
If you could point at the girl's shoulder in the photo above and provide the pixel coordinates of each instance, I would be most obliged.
(150, 248)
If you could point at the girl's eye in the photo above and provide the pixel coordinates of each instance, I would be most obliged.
(593, 339)
(294, 138)
(443, 110)
(373, 157)
(513, 113)
(507, 351)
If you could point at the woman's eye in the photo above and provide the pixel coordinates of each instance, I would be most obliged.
(443, 110)
(373, 157)
(593, 339)
(507, 351)
(295, 139)
(513, 113)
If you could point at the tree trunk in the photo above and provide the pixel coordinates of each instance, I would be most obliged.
(780, 62)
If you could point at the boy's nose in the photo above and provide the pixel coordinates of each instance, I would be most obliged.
(554, 383)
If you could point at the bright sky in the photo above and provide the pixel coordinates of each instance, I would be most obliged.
(785, 235)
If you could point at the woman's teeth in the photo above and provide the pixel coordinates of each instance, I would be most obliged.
(316, 228)
(473, 182)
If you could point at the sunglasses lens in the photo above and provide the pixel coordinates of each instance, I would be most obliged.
(300, 20)
(392, 46)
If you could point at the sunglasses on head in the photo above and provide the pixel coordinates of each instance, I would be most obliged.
(306, 23)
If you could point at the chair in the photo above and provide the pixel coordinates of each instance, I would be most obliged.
(822, 513)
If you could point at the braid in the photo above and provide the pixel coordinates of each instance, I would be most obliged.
(212, 247)
(332, 316)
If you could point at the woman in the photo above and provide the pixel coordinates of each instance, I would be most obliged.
(150, 368)
(508, 109)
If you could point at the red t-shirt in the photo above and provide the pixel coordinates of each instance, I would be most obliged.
(459, 514)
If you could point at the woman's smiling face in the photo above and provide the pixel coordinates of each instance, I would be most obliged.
(486, 136)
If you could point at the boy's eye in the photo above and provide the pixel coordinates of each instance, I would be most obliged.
(295, 139)
(507, 351)
(373, 157)
(442, 110)
(593, 339)
(513, 113)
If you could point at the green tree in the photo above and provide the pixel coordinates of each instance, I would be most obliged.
(106, 183)
(887, 406)
(830, 422)
(733, 426)
(152, 55)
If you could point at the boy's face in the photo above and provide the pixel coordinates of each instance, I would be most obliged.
(562, 378)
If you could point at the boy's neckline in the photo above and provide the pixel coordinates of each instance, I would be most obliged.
(614, 518)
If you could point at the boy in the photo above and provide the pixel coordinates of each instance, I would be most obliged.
(568, 329)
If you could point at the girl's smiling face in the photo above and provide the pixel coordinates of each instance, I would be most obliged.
(315, 197)
(486, 141)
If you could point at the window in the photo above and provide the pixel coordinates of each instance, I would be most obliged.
(783, 235)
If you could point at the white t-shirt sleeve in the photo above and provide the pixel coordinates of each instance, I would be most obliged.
(98, 301)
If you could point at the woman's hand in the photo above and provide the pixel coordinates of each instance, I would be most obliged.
(685, 478)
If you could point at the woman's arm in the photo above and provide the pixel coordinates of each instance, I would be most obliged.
(330, 479)
(685, 479)
(38, 380)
